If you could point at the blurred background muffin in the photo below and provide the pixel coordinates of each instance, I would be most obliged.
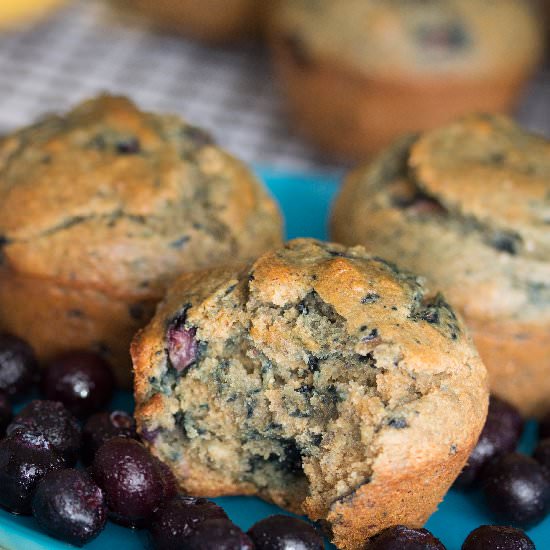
(209, 20)
(361, 72)
(101, 208)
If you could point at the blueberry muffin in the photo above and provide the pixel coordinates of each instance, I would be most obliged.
(101, 208)
(468, 206)
(209, 20)
(359, 73)
(319, 378)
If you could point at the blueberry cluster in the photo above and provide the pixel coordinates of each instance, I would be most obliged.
(44, 444)
(516, 487)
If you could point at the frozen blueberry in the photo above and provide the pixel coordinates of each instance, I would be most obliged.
(81, 380)
(220, 534)
(103, 426)
(400, 537)
(495, 537)
(500, 435)
(5, 413)
(284, 533)
(169, 481)
(178, 519)
(131, 480)
(69, 506)
(517, 490)
(18, 366)
(542, 455)
(55, 422)
(25, 458)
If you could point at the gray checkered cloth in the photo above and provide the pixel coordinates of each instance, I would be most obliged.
(87, 48)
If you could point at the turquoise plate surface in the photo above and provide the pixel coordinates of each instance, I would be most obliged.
(305, 201)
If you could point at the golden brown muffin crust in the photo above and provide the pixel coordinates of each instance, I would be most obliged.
(491, 169)
(144, 196)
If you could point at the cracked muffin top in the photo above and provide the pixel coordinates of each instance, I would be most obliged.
(121, 200)
(392, 38)
(466, 205)
(310, 373)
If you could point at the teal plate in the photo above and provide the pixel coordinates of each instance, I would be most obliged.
(305, 201)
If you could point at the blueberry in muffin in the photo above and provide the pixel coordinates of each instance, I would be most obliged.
(468, 207)
(320, 378)
(117, 201)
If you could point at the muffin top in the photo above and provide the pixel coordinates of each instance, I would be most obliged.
(414, 37)
(378, 304)
(466, 205)
(352, 361)
(119, 199)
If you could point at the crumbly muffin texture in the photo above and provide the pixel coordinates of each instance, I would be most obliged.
(385, 37)
(319, 378)
(116, 203)
(468, 206)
